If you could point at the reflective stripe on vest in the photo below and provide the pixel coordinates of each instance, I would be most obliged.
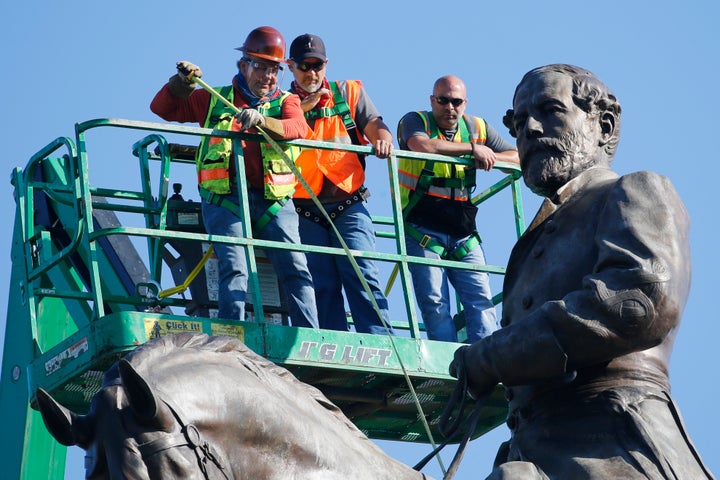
(213, 156)
(210, 174)
(215, 153)
(279, 180)
(332, 123)
(448, 181)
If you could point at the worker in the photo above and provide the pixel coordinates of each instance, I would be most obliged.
(439, 217)
(342, 112)
(255, 90)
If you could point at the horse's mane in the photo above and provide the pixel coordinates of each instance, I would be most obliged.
(162, 347)
(144, 357)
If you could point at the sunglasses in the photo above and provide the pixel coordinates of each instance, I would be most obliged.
(271, 69)
(456, 102)
(306, 67)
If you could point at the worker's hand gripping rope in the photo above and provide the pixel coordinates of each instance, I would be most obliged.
(246, 117)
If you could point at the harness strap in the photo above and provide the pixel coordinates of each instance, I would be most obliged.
(189, 436)
(191, 276)
(422, 186)
(458, 253)
(457, 183)
(360, 195)
(342, 109)
(163, 443)
(224, 202)
(427, 176)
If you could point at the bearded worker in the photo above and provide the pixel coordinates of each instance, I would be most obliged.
(341, 112)
(593, 297)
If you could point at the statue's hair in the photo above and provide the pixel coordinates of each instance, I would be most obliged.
(589, 93)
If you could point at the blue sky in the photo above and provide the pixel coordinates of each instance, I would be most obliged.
(65, 62)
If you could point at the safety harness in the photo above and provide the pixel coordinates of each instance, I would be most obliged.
(342, 109)
(360, 195)
(468, 132)
(458, 253)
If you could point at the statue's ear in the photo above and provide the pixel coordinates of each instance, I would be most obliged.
(145, 404)
(65, 426)
(607, 127)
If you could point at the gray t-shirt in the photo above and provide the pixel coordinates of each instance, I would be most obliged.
(412, 124)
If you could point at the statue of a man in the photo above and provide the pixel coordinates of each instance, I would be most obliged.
(593, 297)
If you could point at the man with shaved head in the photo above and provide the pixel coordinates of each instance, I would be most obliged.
(439, 217)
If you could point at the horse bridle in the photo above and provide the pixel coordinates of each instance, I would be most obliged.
(188, 436)
(457, 401)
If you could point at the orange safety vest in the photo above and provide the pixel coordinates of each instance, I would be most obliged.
(342, 168)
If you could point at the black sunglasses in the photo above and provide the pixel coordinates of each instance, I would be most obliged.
(304, 66)
(456, 102)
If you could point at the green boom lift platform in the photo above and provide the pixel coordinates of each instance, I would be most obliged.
(88, 264)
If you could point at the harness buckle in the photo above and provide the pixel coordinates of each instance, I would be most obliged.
(192, 435)
(425, 240)
(363, 192)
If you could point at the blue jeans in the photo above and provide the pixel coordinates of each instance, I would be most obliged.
(433, 296)
(332, 273)
(290, 267)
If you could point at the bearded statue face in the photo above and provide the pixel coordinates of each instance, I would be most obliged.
(556, 139)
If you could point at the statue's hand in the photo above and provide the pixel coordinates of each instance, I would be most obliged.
(472, 361)
(458, 362)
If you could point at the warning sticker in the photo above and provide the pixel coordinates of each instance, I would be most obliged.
(156, 328)
(228, 330)
(72, 352)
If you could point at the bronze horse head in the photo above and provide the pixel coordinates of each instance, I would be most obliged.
(197, 407)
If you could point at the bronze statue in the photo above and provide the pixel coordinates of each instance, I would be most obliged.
(593, 297)
(196, 407)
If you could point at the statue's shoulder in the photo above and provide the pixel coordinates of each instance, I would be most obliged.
(645, 174)
(651, 190)
(647, 181)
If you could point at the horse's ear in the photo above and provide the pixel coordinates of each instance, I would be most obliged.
(65, 426)
(145, 404)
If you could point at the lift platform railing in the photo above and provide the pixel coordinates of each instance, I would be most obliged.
(72, 186)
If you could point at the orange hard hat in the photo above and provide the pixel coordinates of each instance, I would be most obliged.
(265, 42)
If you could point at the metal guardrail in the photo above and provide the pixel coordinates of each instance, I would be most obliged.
(72, 188)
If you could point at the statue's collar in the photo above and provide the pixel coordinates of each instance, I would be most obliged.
(588, 177)
(591, 175)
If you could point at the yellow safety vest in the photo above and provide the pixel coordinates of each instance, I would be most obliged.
(215, 153)
(448, 181)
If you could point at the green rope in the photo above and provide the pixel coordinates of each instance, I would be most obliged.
(364, 283)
